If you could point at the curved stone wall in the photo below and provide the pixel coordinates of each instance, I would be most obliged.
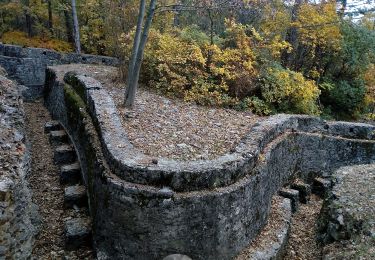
(204, 209)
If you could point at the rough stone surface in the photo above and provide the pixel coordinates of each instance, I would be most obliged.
(293, 195)
(304, 190)
(77, 233)
(321, 186)
(18, 215)
(133, 201)
(58, 137)
(64, 154)
(271, 242)
(27, 65)
(52, 126)
(70, 173)
(348, 214)
(75, 195)
(177, 257)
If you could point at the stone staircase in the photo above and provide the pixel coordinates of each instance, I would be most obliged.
(77, 230)
(272, 241)
(299, 192)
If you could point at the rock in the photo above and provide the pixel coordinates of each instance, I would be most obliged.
(177, 257)
(293, 195)
(348, 213)
(52, 126)
(304, 190)
(70, 173)
(64, 154)
(321, 186)
(75, 195)
(58, 137)
(77, 233)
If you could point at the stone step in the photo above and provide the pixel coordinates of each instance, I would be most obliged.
(58, 137)
(64, 154)
(77, 233)
(75, 195)
(293, 195)
(52, 126)
(304, 190)
(70, 173)
(321, 186)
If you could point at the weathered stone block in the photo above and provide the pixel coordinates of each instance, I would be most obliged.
(293, 195)
(304, 190)
(70, 174)
(75, 195)
(321, 186)
(52, 126)
(177, 257)
(58, 137)
(77, 233)
(64, 154)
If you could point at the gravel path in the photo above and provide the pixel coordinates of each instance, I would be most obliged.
(48, 194)
(164, 127)
(302, 243)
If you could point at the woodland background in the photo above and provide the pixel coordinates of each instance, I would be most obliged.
(266, 56)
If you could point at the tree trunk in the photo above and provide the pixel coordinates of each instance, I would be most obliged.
(77, 41)
(69, 26)
(137, 39)
(130, 98)
(292, 38)
(50, 18)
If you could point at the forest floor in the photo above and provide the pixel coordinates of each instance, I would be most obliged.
(48, 194)
(165, 127)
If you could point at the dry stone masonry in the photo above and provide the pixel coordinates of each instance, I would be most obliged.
(28, 65)
(153, 208)
(18, 215)
(145, 210)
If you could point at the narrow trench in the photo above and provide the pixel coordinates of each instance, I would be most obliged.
(302, 243)
(48, 193)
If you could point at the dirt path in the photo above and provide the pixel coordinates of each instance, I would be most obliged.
(302, 242)
(48, 194)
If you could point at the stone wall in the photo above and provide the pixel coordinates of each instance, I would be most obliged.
(27, 65)
(18, 215)
(205, 209)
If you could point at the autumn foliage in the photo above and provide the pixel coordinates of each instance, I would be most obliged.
(266, 56)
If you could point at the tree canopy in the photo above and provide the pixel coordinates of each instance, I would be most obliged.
(267, 56)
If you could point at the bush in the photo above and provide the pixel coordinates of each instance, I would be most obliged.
(290, 92)
(345, 97)
(256, 105)
(20, 38)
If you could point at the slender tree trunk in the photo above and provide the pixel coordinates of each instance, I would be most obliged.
(28, 19)
(130, 98)
(50, 18)
(292, 37)
(69, 26)
(137, 39)
(28, 24)
(77, 41)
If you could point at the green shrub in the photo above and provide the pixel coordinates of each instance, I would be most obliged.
(346, 98)
(289, 91)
